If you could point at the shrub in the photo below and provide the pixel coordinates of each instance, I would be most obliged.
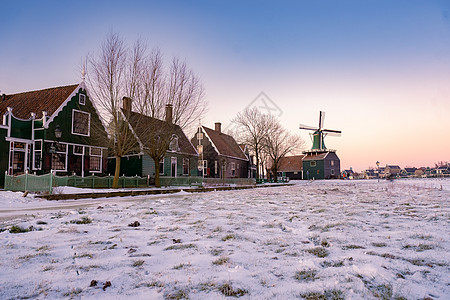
(18, 229)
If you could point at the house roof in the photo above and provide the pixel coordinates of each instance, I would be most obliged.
(225, 144)
(315, 156)
(142, 123)
(49, 100)
(291, 163)
(392, 167)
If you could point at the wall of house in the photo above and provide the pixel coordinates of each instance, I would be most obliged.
(328, 167)
(129, 166)
(148, 165)
(4, 152)
(316, 172)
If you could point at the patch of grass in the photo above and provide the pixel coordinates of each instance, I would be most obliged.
(229, 237)
(347, 247)
(73, 292)
(221, 260)
(18, 229)
(318, 251)
(421, 237)
(218, 229)
(306, 275)
(216, 251)
(227, 290)
(181, 266)
(419, 248)
(206, 286)
(83, 255)
(327, 264)
(380, 244)
(326, 295)
(380, 291)
(138, 263)
(47, 268)
(43, 248)
(325, 244)
(83, 220)
(154, 283)
(177, 294)
(181, 247)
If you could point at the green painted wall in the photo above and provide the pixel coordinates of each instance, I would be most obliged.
(149, 165)
(4, 153)
(129, 166)
(21, 129)
(316, 172)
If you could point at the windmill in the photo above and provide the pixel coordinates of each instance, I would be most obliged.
(320, 133)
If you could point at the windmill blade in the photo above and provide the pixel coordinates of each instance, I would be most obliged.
(331, 130)
(307, 127)
(321, 119)
(333, 133)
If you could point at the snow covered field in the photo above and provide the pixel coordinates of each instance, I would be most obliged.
(316, 240)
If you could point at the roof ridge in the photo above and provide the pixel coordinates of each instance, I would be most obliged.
(41, 90)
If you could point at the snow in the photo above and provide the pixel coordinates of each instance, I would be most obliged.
(344, 239)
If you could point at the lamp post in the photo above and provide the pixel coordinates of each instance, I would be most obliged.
(378, 170)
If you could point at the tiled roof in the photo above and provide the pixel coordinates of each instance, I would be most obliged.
(226, 145)
(315, 156)
(291, 163)
(141, 124)
(49, 100)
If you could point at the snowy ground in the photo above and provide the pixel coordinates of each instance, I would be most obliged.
(316, 240)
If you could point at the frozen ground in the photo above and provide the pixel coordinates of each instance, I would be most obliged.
(316, 240)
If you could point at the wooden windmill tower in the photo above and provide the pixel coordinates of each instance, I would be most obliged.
(320, 162)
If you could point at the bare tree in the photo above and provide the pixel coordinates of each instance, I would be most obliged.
(278, 143)
(113, 73)
(186, 94)
(119, 72)
(253, 127)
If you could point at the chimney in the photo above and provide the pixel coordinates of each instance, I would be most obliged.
(3, 97)
(169, 113)
(127, 101)
(218, 126)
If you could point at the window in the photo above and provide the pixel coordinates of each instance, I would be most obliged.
(332, 171)
(233, 169)
(78, 150)
(81, 122)
(200, 136)
(185, 166)
(173, 146)
(161, 166)
(37, 155)
(95, 159)
(215, 167)
(82, 99)
(318, 172)
(332, 164)
(312, 163)
(59, 158)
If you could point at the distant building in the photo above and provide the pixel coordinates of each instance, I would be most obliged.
(220, 156)
(291, 166)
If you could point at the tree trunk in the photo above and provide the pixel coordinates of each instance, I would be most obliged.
(115, 184)
(157, 181)
(257, 162)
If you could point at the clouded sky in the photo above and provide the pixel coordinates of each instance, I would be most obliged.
(379, 69)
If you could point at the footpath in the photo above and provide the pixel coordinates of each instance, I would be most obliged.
(141, 192)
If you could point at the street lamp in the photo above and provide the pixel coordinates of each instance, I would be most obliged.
(378, 170)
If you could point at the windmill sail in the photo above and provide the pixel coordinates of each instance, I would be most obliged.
(320, 133)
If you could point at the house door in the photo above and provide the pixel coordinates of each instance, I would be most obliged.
(18, 162)
(173, 168)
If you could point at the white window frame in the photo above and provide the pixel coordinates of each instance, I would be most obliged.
(312, 163)
(161, 170)
(233, 169)
(82, 96)
(89, 122)
(332, 163)
(173, 146)
(37, 151)
(216, 169)
(95, 155)
(332, 172)
(65, 160)
(82, 150)
(200, 149)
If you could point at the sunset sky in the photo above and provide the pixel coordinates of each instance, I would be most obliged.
(379, 69)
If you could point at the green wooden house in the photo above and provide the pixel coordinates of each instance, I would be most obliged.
(180, 159)
(56, 129)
